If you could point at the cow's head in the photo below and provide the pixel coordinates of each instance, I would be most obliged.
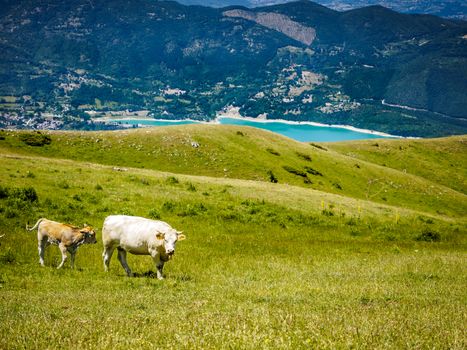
(169, 239)
(89, 234)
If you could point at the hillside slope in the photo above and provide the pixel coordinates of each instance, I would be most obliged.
(256, 254)
(246, 153)
(438, 160)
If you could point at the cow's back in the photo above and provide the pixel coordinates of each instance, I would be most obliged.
(130, 231)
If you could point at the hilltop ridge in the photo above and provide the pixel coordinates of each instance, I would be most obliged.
(253, 154)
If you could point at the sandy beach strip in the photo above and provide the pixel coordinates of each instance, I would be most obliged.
(291, 122)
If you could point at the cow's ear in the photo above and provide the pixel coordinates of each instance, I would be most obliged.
(181, 237)
(159, 235)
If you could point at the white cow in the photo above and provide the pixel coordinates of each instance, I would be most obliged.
(139, 236)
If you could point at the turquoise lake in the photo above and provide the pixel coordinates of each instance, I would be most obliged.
(299, 132)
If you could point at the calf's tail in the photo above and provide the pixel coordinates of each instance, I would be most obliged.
(35, 226)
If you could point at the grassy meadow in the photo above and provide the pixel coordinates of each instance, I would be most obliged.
(378, 263)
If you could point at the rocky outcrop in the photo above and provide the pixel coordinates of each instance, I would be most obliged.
(278, 22)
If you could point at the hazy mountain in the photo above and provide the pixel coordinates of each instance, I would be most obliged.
(297, 61)
(444, 8)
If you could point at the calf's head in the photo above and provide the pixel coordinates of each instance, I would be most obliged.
(89, 234)
(168, 241)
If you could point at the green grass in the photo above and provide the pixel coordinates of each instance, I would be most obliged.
(264, 265)
(439, 160)
(223, 152)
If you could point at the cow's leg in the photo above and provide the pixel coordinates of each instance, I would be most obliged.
(106, 256)
(41, 245)
(122, 259)
(159, 266)
(63, 250)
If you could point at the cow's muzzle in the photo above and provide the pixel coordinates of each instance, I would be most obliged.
(170, 252)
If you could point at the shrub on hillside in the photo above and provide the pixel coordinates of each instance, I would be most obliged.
(337, 185)
(312, 171)
(304, 156)
(172, 180)
(25, 194)
(318, 146)
(192, 210)
(3, 192)
(168, 206)
(11, 213)
(272, 151)
(190, 187)
(28, 194)
(36, 139)
(126, 211)
(294, 171)
(429, 236)
(8, 257)
(154, 214)
(272, 177)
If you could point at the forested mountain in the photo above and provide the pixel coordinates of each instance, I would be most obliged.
(297, 61)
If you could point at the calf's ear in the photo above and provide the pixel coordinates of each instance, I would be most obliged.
(181, 237)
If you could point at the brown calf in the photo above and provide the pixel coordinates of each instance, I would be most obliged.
(67, 237)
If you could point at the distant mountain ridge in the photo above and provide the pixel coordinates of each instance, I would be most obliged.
(63, 62)
(443, 8)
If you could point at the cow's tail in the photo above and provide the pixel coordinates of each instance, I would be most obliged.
(35, 226)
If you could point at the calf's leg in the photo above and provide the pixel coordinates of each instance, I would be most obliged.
(41, 245)
(72, 257)
(122, 259)
(63, 250)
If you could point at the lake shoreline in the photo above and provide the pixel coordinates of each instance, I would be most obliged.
(218, 119)
(292, 122)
